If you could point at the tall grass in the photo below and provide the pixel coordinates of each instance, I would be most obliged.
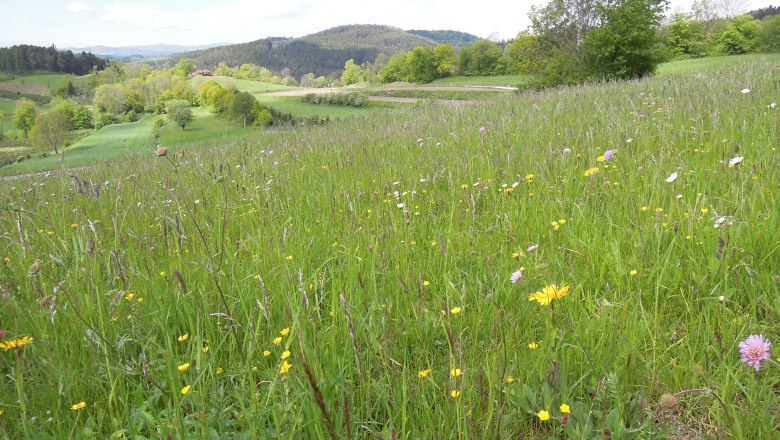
(378, 253)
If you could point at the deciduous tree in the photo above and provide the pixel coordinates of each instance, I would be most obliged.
(51, 130)
(180, 112)
(24, 115)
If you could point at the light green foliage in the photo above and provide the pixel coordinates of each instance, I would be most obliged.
(444, 59)
(244, 107)
(179, 111)
(626, 45)
(687, 37)
(50, 131)
(137, 94)
(396, 69)
(351, 73)
(110, 98)
(526, 55)
(183, 68)
(741, 35)
(422, 68)
(24, 115)
(215, 97)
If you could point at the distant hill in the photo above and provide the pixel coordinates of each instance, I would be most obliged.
(139, 52)
(321, 53)
(456, 38)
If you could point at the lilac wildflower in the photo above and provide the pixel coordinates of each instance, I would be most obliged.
(754, 350)
(609, 154)
(482, 130)
(516, 275)
(533, 247)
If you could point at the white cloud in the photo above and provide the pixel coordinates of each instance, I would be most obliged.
(77, 7)
(143, 16)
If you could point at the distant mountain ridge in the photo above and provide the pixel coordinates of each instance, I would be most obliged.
(150, 51)
(324, 52)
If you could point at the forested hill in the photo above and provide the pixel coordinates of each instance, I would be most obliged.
(25, 59)
(456, 38)
(321, 53)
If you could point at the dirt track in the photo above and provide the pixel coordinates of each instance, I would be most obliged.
(325, 91)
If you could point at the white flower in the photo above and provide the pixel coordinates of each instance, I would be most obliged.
(400, 205)
(533, 247)
(745, 91)
(629, 140)
(679, 196)
(772, 105)
(722, 298)
(736, 160)
(672, 177)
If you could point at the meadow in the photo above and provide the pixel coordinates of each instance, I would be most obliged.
(580, 262)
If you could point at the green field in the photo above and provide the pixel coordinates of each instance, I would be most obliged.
(708, 64)
(294, 106)
(441, 94)
(205, 126)
(473, 272)
(500, 80)
(253, 87)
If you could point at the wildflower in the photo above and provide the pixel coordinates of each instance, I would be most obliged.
(183, 337)
(15, 344)
(284, 331)
(205, 349)
(74, 225)
(672, 177)
(772, 105)
(422, 374)
(516, 275)
(509, 380)
(455, 310)
(455, 393)
(455, 372)
(2, 333)
(183, 367)
(426, 283)
(745, 91)
(633, 272)
(555, 225)
(533, 247)
(516, 255)
(7, 260)
(565, 408)
(736, 161)
(78, 406)
(130, 296)
(609, 154)
(705, 211)
(591, 171)
(266, 353)
(278, 340)
(289, 257)
(285, 368)
(162, 274)
(549, 293)
(754, 350)
(286, 354)
(601, 159)
(529, 178)
(185, 389)
(533, 345)
(543, 415)
(482, 130)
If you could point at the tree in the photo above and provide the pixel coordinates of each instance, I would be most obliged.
(444, 59)
(50, 131)
(770, 34)
(741, 35)
(564, 24)
(244, 107)
(686, 37)
(180, 112)
(525, 55)
(184, 68)
(482, 58)
(110, 98)
(421, 67)
(396, 69)
(24, 115)
(626, 45)
(351, 73)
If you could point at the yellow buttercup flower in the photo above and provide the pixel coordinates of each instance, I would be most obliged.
(455, 372)
(533, 345)
(266, 353)
(284, 331)
(455, 310)
(455, 393)
(286, 354)
(219, 370)
(16, 344)
(278, 340)
(183, 337)
(422, 374)
(543, 415)
(633, 272)
(565, 408)
(185, 389)
(183, 367)
(509, 380)
(285, 368)
(78, 406)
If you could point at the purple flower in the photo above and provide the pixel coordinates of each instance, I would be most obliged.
(2, 333)
(516, 275)
(482, 130)
(533, 247)
(609, 154)
(754, 350)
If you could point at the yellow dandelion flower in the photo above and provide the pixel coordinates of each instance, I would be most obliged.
(455, 372)
(543, 415)
(183, 337)
(601, 159)
(455, 393)
(422, 374)
(533, 345)
(15, 344)
(285, 368)
(464, 185)
(266, 353)
(549, 293)
(565, 408)
(509, 380)
(529, 178)
(284, 331)
(286, 354)
(591, 171)
(185, 389)
(183, 367)
(78, 406)
(455, 310)
(278, 340)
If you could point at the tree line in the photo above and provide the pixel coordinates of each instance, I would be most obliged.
(26, 59)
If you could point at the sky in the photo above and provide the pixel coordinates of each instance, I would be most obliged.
(68, 23)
